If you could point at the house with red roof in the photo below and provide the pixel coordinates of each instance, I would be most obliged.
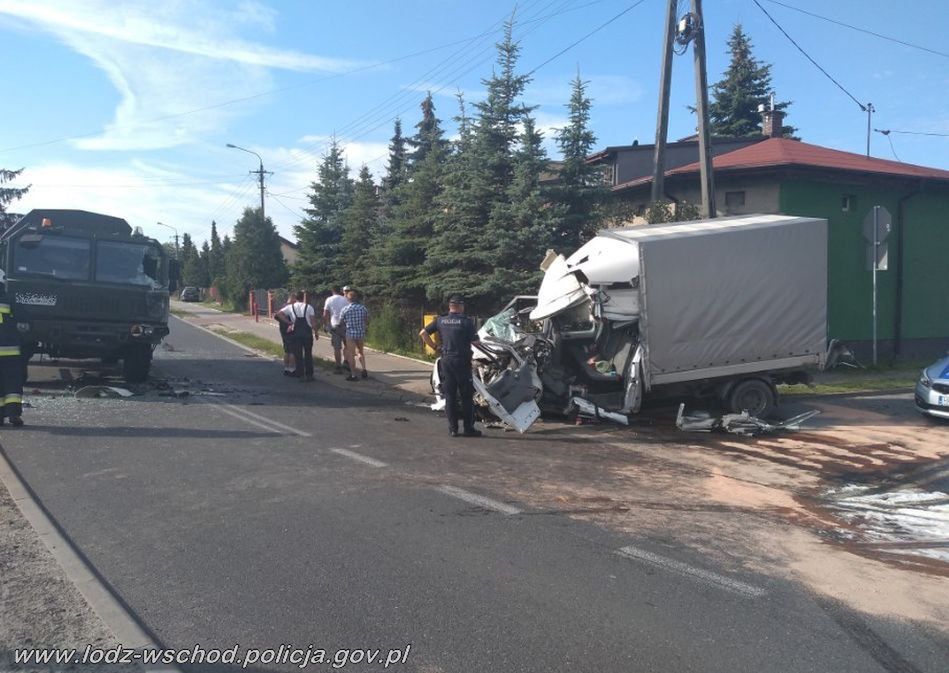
(771, 174)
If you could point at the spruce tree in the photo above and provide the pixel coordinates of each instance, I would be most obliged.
(745, 85)
(254, 259)
(581, 186)
(215, 256)
(400, 274)
(8, 195)
(396, 170)
(319, 235)
(359, 221)
(477, 187)
(523, 224)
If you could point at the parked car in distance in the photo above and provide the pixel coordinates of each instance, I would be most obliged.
(190, 294)
(932, 390)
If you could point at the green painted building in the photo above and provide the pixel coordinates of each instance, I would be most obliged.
(779, 175)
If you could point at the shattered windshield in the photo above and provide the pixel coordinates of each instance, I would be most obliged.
(58, 257)
(128, 263)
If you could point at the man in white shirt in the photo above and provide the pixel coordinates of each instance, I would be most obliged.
(332, 309)
(300, 319)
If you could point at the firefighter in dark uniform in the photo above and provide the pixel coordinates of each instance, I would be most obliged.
(11, 364)
(457, 333)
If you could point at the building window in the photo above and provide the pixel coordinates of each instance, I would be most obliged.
(848, 203)
(734, 199)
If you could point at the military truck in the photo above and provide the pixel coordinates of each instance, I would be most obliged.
(84, 285)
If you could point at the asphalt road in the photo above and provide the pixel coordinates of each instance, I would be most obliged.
(270, 513)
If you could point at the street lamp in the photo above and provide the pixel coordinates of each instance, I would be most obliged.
(176, 236)
(260, 174)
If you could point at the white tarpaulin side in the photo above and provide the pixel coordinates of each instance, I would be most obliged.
(736, 291)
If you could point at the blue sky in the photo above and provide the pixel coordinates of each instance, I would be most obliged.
(125, 107)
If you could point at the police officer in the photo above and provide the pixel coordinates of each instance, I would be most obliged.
(457, 333)
(11, 364)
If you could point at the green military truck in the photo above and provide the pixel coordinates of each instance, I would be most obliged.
(84, 285)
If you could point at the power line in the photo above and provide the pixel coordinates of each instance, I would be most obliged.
(892, 149)
(860, 30)
(816, 64)
(920, 133)
(591, 33)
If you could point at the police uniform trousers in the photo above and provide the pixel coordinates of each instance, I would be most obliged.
(11, 382)
(458, 390)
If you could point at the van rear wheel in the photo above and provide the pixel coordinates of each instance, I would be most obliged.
(136, 363)
(755, 396)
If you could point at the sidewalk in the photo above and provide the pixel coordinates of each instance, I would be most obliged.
(405, 375)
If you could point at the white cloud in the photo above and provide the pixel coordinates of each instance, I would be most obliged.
(168, 58)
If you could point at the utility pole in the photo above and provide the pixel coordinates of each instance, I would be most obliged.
(869, 110)
(260, 175)
(662, 123)
(701, 99)
(690, 28)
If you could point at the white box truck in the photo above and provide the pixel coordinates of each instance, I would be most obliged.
(724, 308)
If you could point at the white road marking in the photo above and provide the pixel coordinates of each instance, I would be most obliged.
(361, 458)
(480, 500)
(257, 420)
(239, 416)
(707, 576)
(286, 428)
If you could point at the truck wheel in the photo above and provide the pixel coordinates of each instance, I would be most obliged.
(755, 396)
(137, 362)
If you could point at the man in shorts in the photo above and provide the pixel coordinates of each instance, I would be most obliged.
(356, 318)
(332, 323)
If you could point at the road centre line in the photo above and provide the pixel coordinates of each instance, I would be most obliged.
(264, 419)
(480, 500)
(263, 423)
(361, 458)
(706, 576)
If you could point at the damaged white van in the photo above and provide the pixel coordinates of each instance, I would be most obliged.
(723, 308)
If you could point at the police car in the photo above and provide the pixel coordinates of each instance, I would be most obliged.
(932, 390)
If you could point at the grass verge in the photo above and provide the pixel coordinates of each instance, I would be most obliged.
(265, 346)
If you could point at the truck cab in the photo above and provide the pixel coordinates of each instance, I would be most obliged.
(84, 285)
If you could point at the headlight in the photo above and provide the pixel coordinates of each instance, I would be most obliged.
(925, 380)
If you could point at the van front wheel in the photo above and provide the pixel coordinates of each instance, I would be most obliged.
(755, 396)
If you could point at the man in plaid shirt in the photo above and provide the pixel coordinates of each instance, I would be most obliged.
(356, 318)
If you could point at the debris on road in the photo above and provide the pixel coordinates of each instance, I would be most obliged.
(103, 391)
(736, 424)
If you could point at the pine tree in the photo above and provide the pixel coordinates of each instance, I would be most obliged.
(193, 270)
(8, 195)
(745, 85)
(254, 258)
(359, 221)
(320, 233)
(581, 186)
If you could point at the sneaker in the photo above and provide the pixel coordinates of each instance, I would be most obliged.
(452, 433)
(351, 378)
(365, 374)
(472, 433)
(16, 421)
(287, 372)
